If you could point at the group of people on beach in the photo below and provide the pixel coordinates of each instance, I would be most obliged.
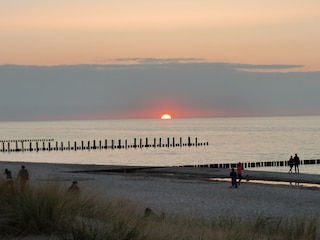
(294, 161)
(234, 175)
(237, 174)
(23, 177)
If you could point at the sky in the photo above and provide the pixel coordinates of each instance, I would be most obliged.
(103, 59)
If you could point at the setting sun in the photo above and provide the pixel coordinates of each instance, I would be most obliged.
(165, 117)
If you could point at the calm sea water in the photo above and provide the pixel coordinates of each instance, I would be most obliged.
(230, 140)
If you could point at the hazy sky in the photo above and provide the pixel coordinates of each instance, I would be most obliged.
(192, 58)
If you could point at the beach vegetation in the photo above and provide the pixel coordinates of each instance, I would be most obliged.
(49, 210)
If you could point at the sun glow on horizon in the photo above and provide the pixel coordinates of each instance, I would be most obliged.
(165, 117)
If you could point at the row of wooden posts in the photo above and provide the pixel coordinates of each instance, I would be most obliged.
(255, 164)
(46, 145)
(28, 140)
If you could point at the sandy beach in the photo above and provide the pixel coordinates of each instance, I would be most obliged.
(196, 192)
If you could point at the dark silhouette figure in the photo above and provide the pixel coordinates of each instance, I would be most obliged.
(149, 213)
(291, 163)
(296, 161)
(74, 188)
(8, 175)
(239, 172)
(233, 176)
(9, 180)
(23, 177)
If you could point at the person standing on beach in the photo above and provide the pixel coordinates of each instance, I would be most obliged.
(23, 177)
(296, 161)
(239, 172)
(291, 162)
(9, 180)
(233, 176)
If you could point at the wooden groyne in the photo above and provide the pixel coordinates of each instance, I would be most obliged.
(51, 145)
(255, 164)
(28, 140)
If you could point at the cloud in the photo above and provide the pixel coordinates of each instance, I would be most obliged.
(145, 89)
(169, 61)
(149, 60)
(268, 68)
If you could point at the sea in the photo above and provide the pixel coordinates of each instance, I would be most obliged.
(225, 140)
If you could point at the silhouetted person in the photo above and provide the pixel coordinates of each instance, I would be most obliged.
(296, 161)
(74, 188)
(291, 163)
(233, 176)
(9, 180)
(149, 213)
(23, 177)
(239, 172)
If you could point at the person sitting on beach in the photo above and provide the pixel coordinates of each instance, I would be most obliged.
(233, 176)
(296, 161)
(239, 172)
(23, 176)
(290, 162)
(74, 188)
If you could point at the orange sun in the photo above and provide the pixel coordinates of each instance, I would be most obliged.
(165, 117)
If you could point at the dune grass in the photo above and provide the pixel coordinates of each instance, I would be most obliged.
(48, 210)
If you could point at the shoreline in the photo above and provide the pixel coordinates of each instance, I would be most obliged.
(204, 173)
(185, 191)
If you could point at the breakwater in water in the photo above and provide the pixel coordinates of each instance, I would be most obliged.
(255, 164)
(51, 145)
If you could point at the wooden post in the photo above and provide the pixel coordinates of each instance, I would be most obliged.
(3, 146)
(82, 145)
(154, 142)
(68, 145)
(147, 144)
(30, 147)
(189, 142)
(88, 145)
(196, 142)
(168, 142)
(49, 146)
(8, 147)
(61, 146)
(37, 147)
(112, 144)
(159, 142)
(135, 143)
(94, 144)
(22, 147)
(140, 142)
(75, 146)
(43, 147)
(119, 143)
(126, 144)
(180, 141)
(173, 142)
(16, 146)
(105, 143)
(100, 145)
